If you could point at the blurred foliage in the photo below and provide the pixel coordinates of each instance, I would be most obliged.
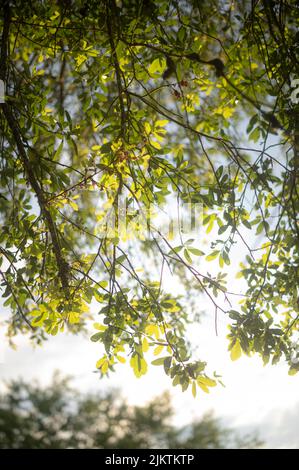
(142, 101)
(60, 417)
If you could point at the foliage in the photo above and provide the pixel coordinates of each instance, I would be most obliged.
(147, 101)
(59, 417)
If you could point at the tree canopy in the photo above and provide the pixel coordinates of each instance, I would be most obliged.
(111, 110)
(60, 417)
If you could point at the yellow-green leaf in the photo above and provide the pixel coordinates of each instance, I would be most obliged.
(100, 362)
(158, 350)
(236, 351)
(139, 365)
(203, 387)
(120, 359)
(158, 65)
(212, 256)
(207, 381)
(145, 345)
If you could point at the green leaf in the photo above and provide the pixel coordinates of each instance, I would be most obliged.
(246, 223)
(207, 381)
(195, 251)
(158, 65)
(213, 255)
(167, 364)
(138, 365)
(187, 256)
(96, 337)
(159, 361)
(222, 229)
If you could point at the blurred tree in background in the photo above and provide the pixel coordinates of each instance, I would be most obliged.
(59, 417)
